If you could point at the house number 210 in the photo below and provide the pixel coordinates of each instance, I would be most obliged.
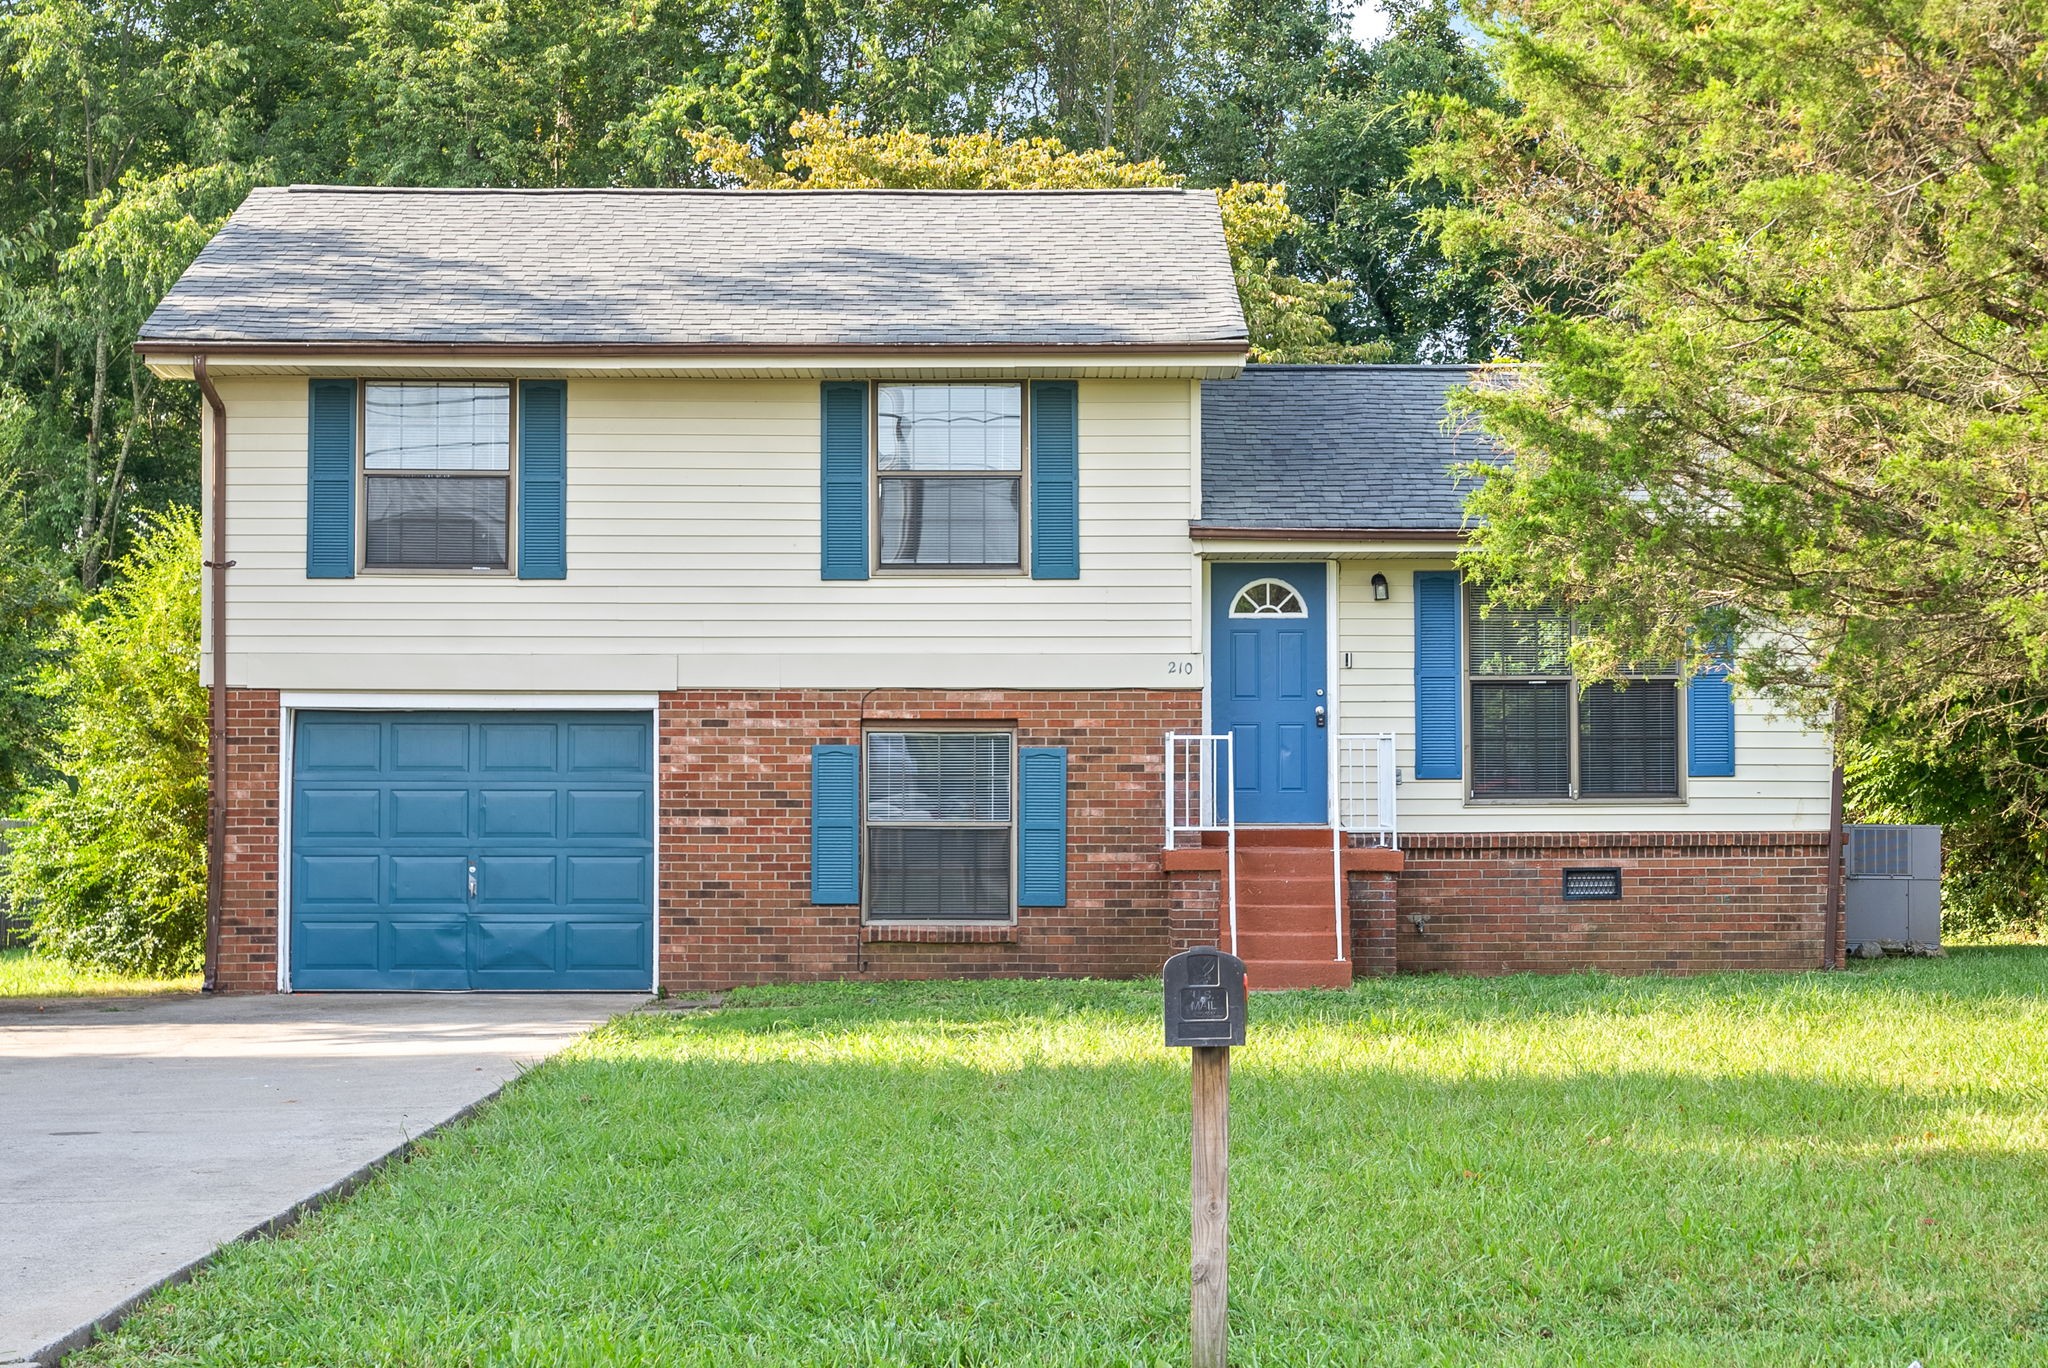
(1180, 667)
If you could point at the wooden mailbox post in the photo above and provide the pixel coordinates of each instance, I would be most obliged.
(1205, 1009)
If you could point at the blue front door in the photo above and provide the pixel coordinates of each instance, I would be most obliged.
(1267, 687)
(446, 850)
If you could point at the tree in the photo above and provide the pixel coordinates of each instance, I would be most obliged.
(1288, 316)
(1798, 380)
(34, 595)
(112, 866)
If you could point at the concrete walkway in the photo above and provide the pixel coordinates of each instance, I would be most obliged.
(137, 1137)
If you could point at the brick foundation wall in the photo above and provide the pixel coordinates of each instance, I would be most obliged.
(248, 919)
(1691, 903)
(734, 898)
(1372, 897)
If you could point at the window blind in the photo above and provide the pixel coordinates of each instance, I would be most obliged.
(1628, 740)
(938, 777)
(1521, 740)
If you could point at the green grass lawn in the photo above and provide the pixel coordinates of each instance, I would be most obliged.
(25, 974)
(1825, 1169)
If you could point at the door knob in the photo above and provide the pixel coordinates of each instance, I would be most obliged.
(472, 867)
(1322, 718)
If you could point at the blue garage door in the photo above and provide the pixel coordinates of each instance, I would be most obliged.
(444, 850)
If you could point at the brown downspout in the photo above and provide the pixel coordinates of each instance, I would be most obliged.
(1834, 942)
(217, 564)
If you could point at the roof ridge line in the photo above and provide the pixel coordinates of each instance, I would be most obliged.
(683, 191)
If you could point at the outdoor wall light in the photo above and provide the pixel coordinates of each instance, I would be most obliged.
(1379, 588)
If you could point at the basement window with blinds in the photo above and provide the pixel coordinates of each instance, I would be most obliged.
(938, 818)
(1538, 733)
(437, 475)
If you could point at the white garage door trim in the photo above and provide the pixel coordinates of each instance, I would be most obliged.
(289, 703)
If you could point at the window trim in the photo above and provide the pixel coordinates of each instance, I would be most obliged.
(877, 567)
(510, 569)
(1467, 615)
(969, 728)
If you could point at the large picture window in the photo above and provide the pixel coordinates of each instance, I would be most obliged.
(437, 475)
(938, 818)
(949, 467)
(1539, 733)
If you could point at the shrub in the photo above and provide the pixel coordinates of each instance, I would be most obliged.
(112, 868)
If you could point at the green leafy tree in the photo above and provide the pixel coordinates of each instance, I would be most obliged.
(1794, 374)
(1288, 317)
(1801, 379)
(112, 866)
(34, 595)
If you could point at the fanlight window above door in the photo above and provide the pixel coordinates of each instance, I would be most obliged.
(1268, 598)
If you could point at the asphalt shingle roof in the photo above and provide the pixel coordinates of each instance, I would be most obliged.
(707, 268)
(1336, 448)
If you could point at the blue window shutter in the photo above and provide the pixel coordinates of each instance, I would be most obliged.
(1042, 826)
(843, 510)
(543, 479)
(1439, 663)
(1710, 718)
(331, 480)
(835, 825)
(1055, 480)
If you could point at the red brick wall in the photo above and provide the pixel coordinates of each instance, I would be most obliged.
(1691, 903)
(735, 837)
(1373, 898)
(248, 924)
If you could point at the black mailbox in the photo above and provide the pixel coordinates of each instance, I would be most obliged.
(1204, 998)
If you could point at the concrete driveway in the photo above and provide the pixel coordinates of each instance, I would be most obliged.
(137, 1137)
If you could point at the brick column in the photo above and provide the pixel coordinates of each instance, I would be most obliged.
(1372, 896)
(248, 920)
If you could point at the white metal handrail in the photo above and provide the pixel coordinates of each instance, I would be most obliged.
(1201, 796)
(1362, 777)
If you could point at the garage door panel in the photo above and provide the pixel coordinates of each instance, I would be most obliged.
(429, 879)
(337, 943)
(341, 812)
(517, 879)
(607, 879)
(607, 813)
(517, 812)
(555, 812)
(419, 746)
(606, 746)
(520, 746)
(442, 943)
(515, 943)
(605, 944)
(318, 879)
(327, 746)
(429, 813)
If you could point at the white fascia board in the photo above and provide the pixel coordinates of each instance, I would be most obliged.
(431, 678)
(395, 701)
(1246, 548)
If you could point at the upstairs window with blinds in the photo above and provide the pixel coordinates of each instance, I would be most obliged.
(1538, 733)
(938, 813)
(949, 476)
(437, 475)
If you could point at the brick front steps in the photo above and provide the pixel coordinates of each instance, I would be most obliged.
(1287, 902)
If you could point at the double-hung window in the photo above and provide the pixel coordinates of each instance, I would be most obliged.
(437, 475)
(1539, 733)
(949, 476)
(938, 826)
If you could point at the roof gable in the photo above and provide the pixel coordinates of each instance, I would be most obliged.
(741, 270)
